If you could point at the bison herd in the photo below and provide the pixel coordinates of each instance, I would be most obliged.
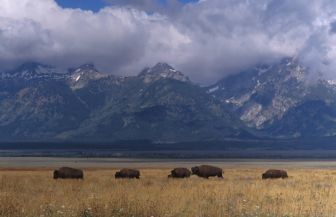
(204, 171)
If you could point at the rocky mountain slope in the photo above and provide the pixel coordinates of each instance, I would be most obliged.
(281, 100)
(39, 103)
(43, 103)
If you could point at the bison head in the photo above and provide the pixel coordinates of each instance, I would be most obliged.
(117, 175)
(195, 170)
(55, 174)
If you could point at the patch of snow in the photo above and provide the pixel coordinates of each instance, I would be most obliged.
(78, 77)
(331, 82)
(213, 89)
(258, 85)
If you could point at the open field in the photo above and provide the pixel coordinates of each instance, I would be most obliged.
(33, 193)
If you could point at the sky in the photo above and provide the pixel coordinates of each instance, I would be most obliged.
(206, 39)
(96, 5)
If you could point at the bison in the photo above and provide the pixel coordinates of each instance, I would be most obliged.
(207, 171)
(68, 173)
(180, 173)
(274, 174)
(127, 173)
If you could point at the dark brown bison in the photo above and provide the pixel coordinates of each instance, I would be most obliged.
(127, 173)
(207, 171)
(68, 173)
(274, 174)
(180, 173)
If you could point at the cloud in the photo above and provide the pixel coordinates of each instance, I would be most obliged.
(145, 5)
(166, 7)
(206, 40)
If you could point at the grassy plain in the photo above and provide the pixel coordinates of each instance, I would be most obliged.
(33, 193)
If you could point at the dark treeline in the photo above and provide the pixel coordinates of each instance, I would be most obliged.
(231, 148)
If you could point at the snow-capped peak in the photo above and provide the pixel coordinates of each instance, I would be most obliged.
(84, 67)
(33, 70)
(81, 76)
(160, 71)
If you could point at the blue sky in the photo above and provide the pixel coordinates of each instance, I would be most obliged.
(96, 5)
(93, 5)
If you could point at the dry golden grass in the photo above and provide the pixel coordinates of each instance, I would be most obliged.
(241, 193)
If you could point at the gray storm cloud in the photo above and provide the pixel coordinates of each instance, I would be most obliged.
(206, 40)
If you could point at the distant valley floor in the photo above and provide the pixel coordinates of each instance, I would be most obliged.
(312, 149)
(47, 163)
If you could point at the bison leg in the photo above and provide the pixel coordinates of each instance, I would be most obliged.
(220, 176)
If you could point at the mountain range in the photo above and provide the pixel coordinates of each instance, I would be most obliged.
(279, 101)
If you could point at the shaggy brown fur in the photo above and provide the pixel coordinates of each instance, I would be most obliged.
(68, 173)
(180, 173)
(274, 174)
(207, 171)
(127, 173)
